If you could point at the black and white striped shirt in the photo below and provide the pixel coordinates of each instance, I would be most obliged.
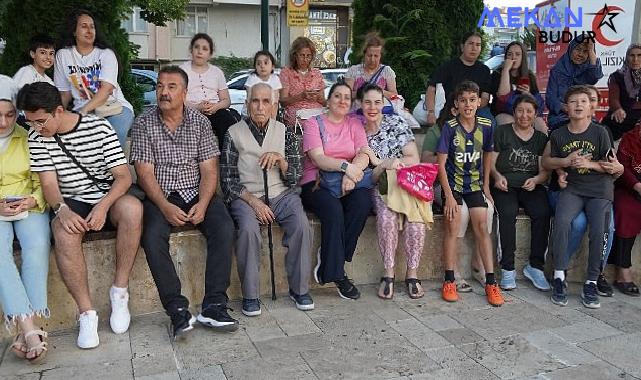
(95, 146)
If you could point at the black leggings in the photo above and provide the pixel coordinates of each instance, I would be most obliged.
(221, 120)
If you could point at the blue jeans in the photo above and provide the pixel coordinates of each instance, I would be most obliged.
(25, 294)
(578, 228)
(121, 123)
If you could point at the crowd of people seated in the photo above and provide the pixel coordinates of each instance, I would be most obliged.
(65, 174)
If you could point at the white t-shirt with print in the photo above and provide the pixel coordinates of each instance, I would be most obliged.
(28, 74)
(98, 66)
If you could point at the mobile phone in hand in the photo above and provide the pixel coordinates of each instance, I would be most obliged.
(610, 154)
(13, 198)
(524, 81)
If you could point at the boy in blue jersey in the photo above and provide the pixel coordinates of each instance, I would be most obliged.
(464, 169)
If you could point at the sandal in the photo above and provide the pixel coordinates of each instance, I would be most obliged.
(388, 288)
(627, 288)
(19, 346)
(42, 346)
(414, 288)
(462, 286)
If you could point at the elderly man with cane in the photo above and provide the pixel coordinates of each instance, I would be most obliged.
(251, 146)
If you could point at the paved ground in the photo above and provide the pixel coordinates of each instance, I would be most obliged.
(527, 338)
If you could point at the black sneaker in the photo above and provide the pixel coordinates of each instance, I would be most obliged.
(216, 316)
(303, 302)
(590, 296)
(251, 307)
(346, 289)
(181, 322)
(602, 287)
(559, 293)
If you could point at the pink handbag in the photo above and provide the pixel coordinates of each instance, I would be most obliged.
(418, 180)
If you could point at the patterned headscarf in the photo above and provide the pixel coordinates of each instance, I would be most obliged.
(631, 78)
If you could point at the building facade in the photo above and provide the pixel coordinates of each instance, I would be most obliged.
(235, 27)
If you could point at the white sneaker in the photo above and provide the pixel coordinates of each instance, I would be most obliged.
(120, 316)
(88, 334)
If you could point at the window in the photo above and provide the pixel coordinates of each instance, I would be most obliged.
(145, 83)
(134, 23)
(195, 21)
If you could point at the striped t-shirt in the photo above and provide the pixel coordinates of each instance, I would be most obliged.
(464, 165)
(95, 146)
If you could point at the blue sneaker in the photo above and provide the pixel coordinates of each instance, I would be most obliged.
(508, 279)
(251, 307)
(590, 296)
(303, 302)
(559, 292)
(537, 277)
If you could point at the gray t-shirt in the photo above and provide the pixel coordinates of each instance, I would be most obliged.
(595, 141)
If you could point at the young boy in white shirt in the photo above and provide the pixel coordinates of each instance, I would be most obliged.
(43, 54)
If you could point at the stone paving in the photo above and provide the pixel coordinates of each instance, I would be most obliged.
(527, 338)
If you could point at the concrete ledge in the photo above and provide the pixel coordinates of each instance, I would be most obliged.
(188, 252)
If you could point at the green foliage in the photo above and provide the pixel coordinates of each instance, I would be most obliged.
(21, 19)
(528, 38)
(230, 65)
(159, 12)
(419, 36)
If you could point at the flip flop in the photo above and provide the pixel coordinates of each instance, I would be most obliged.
(388, 290)
(414, 288)
(42, 346)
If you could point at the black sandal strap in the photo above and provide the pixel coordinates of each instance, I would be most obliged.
(411, 285)
(387, 281)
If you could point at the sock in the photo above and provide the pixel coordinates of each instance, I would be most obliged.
(118, 291)
(590, 282)
(449, 275)
(559, 274)
(489, 279)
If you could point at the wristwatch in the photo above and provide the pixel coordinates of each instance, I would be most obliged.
(58, 206)
(344, 166)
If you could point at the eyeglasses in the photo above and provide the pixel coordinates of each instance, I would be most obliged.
(305, 56)
(35, 124)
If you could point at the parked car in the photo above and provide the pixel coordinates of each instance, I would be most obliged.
(496, 61)
(146, 80)
(238, 94)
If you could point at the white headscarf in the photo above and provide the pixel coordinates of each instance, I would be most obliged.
(8, 89)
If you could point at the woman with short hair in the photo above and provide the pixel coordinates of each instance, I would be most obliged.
(303, 85)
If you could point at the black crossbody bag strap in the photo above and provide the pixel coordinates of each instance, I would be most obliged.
(75, 161)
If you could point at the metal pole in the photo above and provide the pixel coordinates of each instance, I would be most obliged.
(264, 24)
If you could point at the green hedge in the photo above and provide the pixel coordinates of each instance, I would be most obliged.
(230, 65)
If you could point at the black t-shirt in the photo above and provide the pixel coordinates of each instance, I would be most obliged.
(518, 160)
(594, 140)
(454, 71)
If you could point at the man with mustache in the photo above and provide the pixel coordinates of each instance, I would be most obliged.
(175, 154)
